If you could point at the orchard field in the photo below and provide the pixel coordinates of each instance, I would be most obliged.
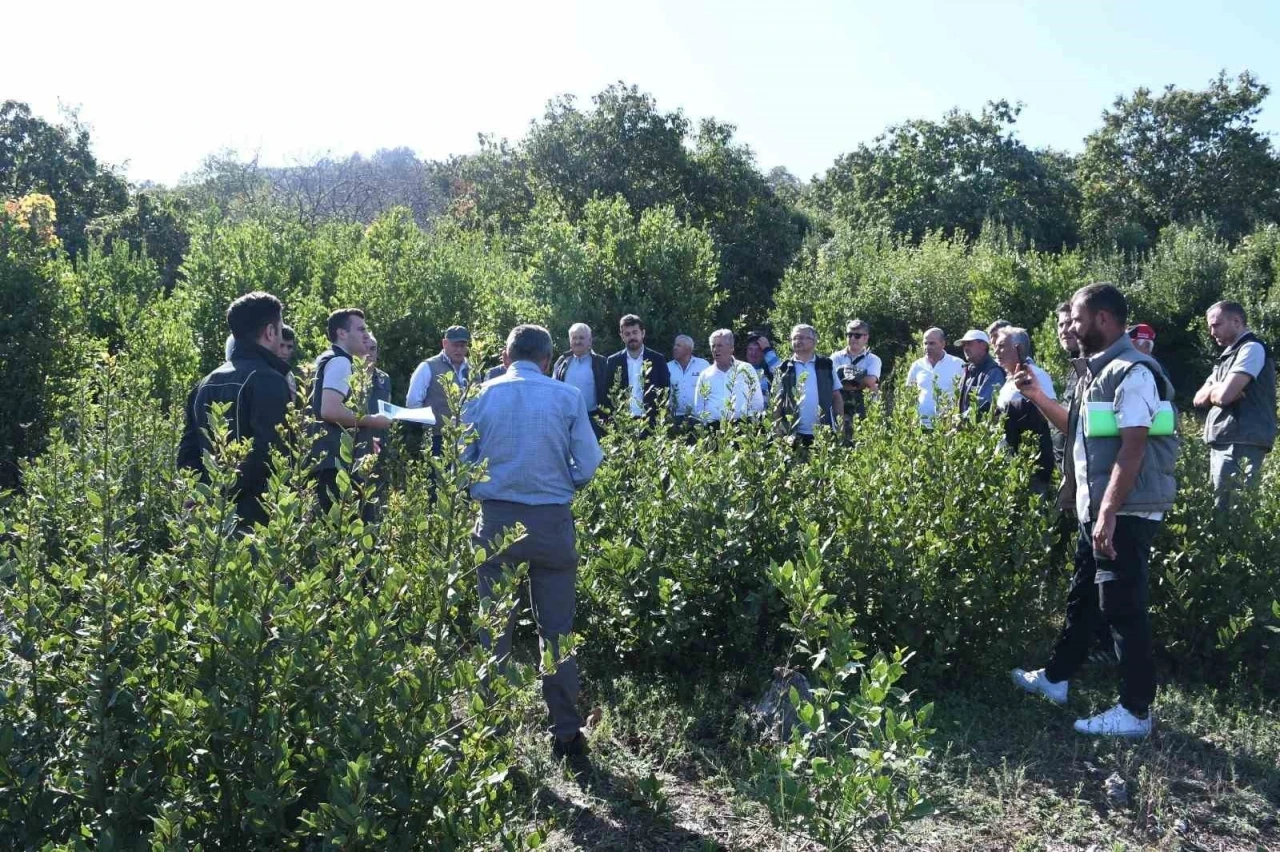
(165, 684)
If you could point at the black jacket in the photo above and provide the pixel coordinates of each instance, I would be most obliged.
(599, 371)
(253, 383)
(657, 379)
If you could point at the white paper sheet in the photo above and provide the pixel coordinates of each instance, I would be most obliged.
(410, 415)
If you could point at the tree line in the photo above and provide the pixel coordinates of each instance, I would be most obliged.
(619, 206)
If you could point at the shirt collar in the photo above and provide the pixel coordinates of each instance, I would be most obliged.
(640, 358)
(524, 367)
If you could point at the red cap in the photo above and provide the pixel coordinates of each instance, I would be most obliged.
(1142, 331)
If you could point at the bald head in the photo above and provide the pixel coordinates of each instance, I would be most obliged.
(935, 345)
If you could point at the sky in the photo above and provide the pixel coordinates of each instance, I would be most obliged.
(163, 85)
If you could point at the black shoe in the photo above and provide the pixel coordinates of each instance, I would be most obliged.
(576, 747)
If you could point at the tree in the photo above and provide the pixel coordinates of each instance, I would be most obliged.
(625, 146)
(1178, 156)
(154, 224)
(40, 336)
(953, 176)
(57, 161)
(609, 263)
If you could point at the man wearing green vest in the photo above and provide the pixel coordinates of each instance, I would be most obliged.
(1240, 394)
(1122, 482)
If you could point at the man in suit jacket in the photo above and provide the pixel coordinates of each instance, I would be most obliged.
(587, 370)
(639, 368)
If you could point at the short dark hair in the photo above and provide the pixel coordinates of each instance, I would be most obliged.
(251, 313)
(996, 326)
(1064, 308)
(287, 333)
(529, 343)
(340, 320)
(1233, 308)
(629, 320)
(1105, 297)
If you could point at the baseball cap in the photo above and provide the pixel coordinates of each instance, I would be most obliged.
(1142, 331)
(456, 333)
(975, 334)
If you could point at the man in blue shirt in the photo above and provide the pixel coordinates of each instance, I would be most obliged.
(536, 437)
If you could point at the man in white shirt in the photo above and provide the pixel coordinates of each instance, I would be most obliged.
(936, 376)
(684, 367)
(857, 367)
(729, 388)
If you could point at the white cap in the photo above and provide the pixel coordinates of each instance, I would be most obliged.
(974, 334)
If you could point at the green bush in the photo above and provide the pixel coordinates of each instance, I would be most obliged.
(168, 683)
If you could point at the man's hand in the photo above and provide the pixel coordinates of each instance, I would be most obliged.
(765, 345)
(375, 421)
(1202, 399)
(1104, 530)
(1025, 380)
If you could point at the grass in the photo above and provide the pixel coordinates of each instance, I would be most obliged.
(667, 772)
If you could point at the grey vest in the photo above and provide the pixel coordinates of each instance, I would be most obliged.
(1251, 419)
(1156, 487)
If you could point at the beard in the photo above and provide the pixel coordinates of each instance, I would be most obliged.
(1090, 340)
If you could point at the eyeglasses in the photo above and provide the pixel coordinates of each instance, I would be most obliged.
(856, 334)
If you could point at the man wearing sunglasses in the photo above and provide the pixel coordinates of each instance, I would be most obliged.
(857, 367)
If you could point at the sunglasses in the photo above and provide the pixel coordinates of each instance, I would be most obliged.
(856, 334)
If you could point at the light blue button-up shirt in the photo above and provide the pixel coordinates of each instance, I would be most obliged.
(580, 373)
(808, 413)
(536, 436)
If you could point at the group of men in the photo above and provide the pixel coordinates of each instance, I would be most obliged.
(536, 422)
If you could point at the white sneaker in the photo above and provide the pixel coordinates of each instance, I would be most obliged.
(1036, 682)
(1116, 722)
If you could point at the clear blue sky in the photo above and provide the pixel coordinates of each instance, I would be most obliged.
(164, 84)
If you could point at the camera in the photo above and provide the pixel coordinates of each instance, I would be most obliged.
(851, 377)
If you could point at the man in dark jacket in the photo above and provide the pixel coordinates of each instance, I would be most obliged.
(982, 375)
(640, 369)
(588, 371)
(252, 381)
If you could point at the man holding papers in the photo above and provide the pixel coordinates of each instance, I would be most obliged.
(348, 338)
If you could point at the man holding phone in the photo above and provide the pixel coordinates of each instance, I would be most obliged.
(1121, 486)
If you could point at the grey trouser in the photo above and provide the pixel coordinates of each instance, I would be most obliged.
(548, 547)
(1233, 467)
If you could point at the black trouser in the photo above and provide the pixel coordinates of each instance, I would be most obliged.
(1114, 591)
(327, 494)
(1069, 531)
